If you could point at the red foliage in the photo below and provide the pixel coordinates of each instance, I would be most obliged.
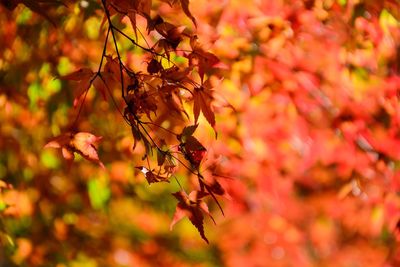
(304, 96)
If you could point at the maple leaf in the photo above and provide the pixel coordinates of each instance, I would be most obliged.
(202, 97)
(185, 8)
(186, 132)
(144, 7)
(84, 77)
(109, 77)
(151, 177)
(85, 144)
(78, 75)
(101, 82)
(132, 18)
(141, 7)
(82, 142)
(191, 148)
(162, 152)
(130, 9)
(175, 75)
(113, 68)
(63, 142)
(193, 151)
(204, 61)
(200, 58)
(171, 33)
(216, 188)
(191, 206)
(40, 7)
(169, 94)
(142, 102)
(154, 66)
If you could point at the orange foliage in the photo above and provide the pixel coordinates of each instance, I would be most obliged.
(281, 118)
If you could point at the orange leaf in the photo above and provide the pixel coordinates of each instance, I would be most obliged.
(85, 144)
(79, 75)
(82, 143)
(59, 141)
(63, 142)
(84, 78)
(185, 8)
(202, 101)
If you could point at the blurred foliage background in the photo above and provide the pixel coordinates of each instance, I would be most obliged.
(307, 131)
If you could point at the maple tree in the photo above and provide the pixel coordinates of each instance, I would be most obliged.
(132, 95)
(164, 83)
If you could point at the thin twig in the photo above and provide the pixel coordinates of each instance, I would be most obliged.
(93, 78)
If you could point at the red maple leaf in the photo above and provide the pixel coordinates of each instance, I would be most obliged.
(193, 207)
(152, 177)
